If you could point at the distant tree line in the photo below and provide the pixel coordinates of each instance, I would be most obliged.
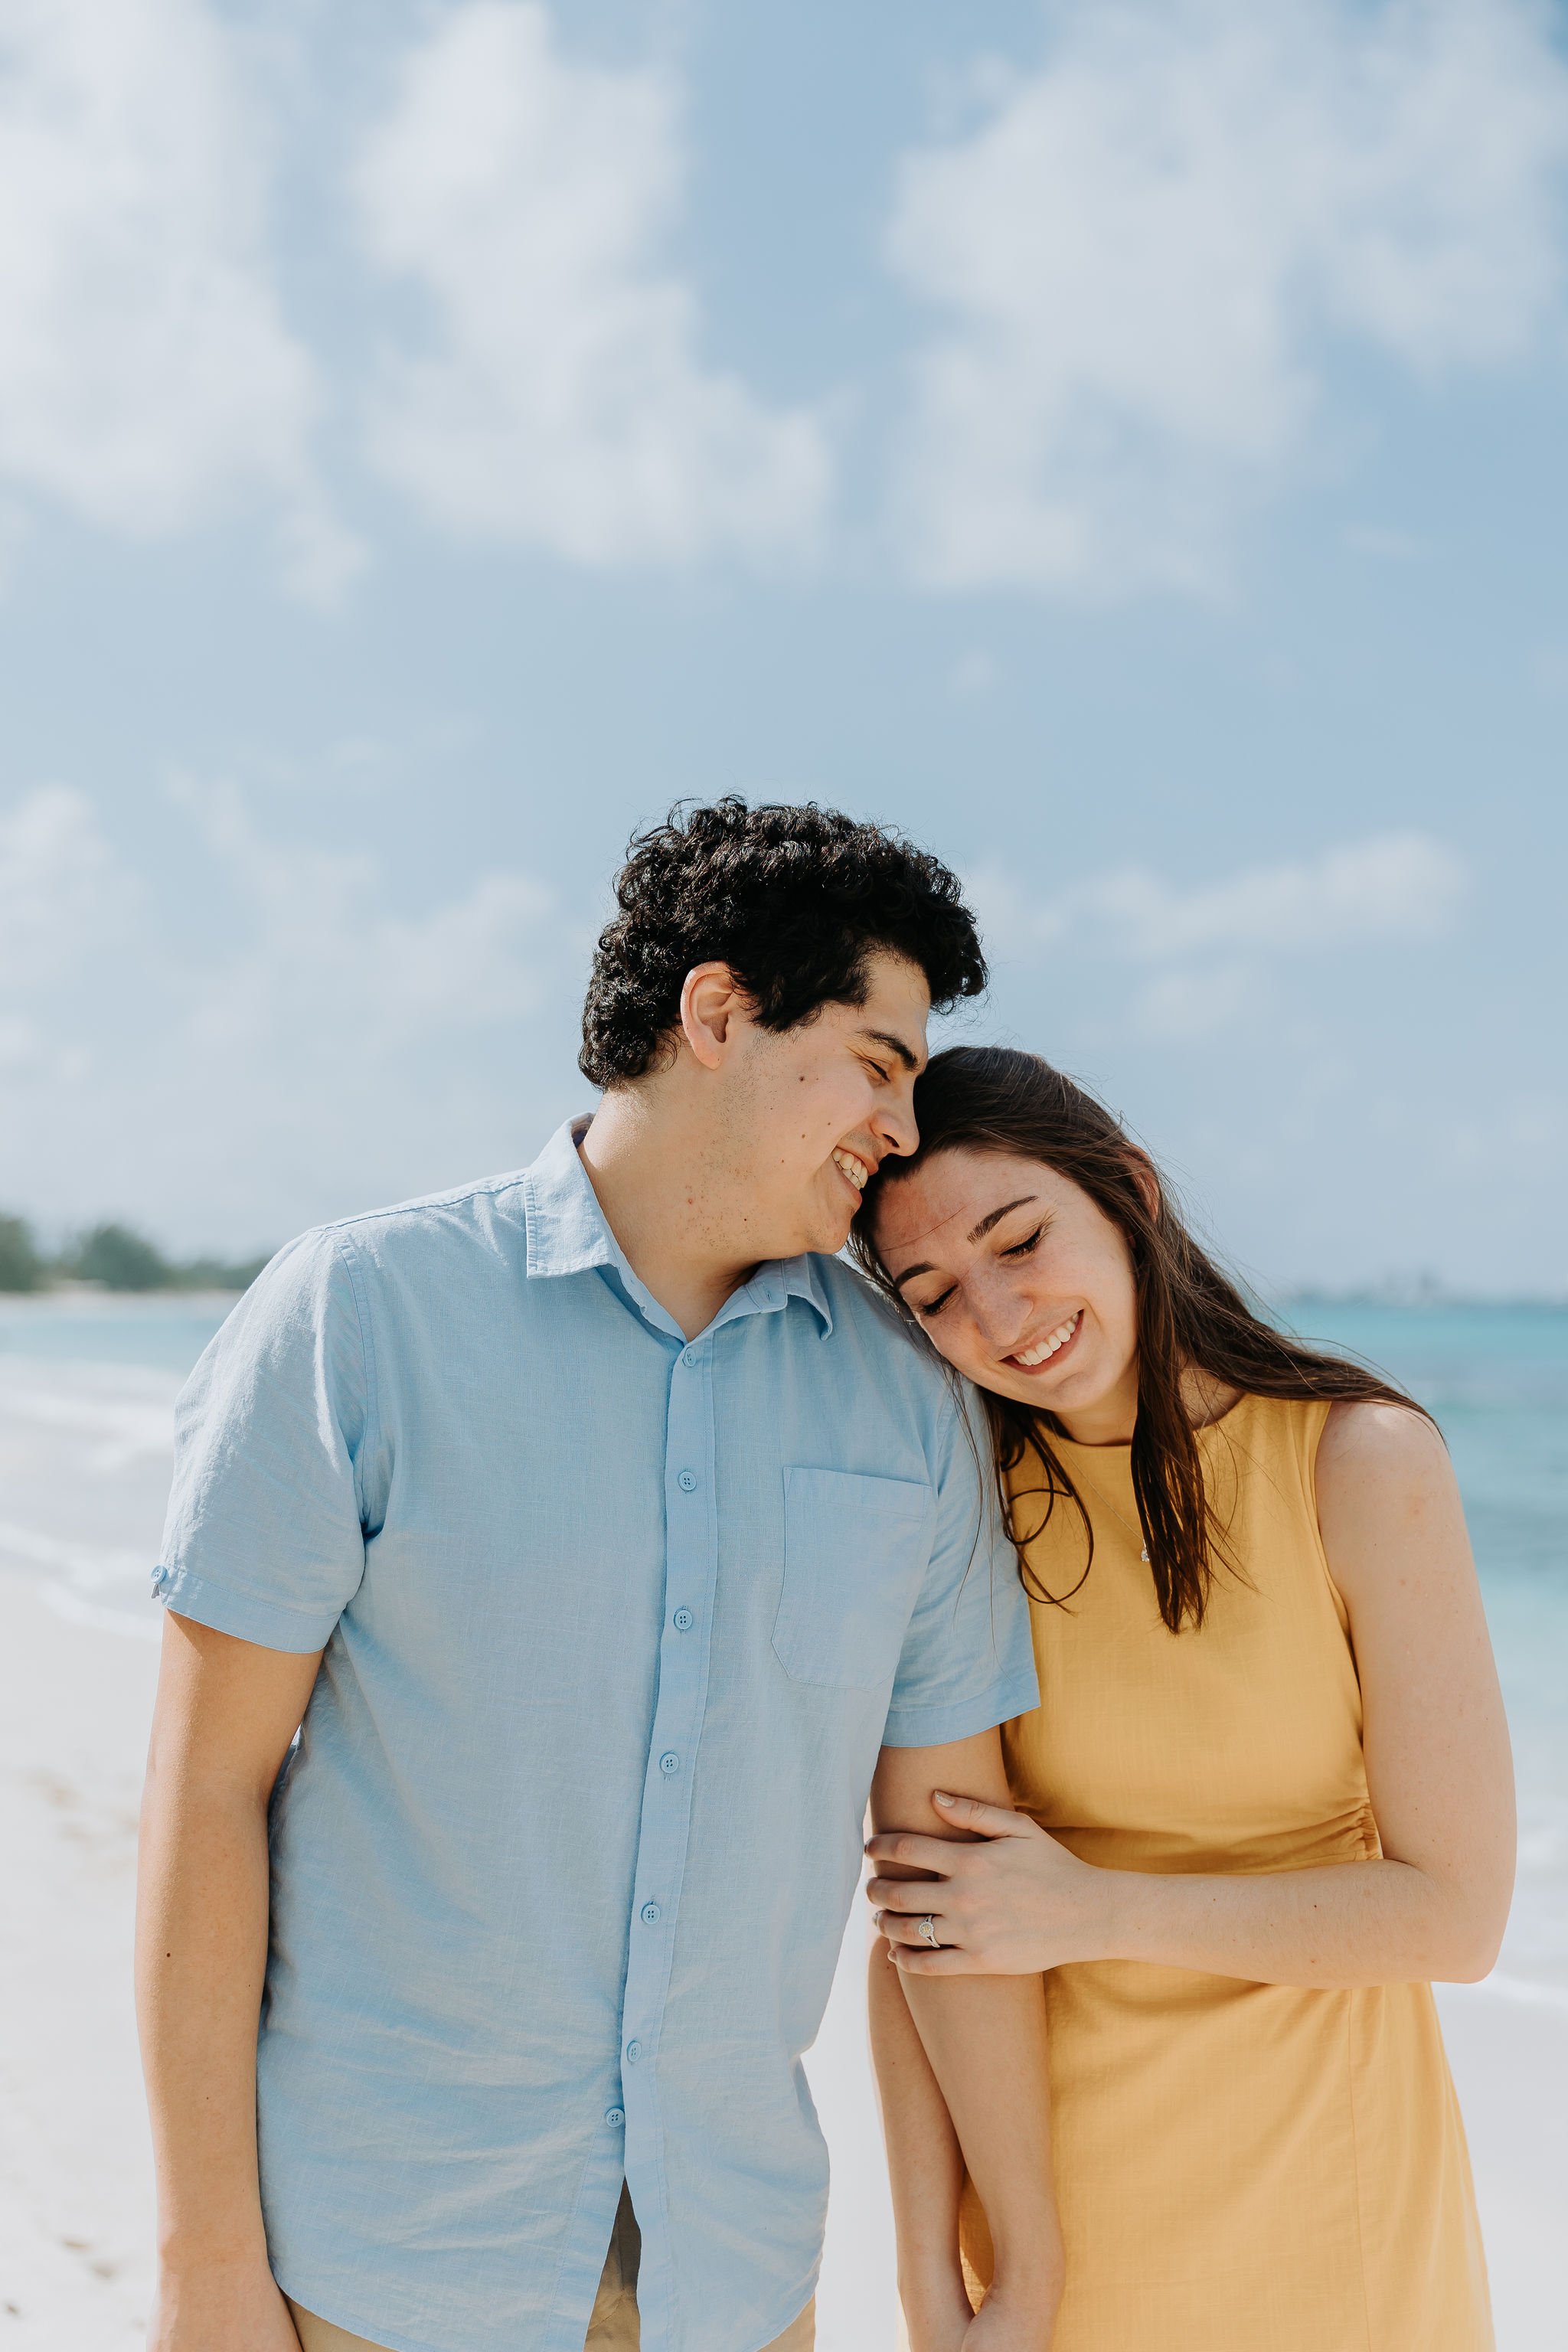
(116, 1259)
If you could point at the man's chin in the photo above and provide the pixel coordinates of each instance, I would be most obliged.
(829, 1235)
(826, 1217)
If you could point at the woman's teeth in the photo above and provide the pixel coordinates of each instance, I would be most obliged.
(860, 1175)
(1043, 1349)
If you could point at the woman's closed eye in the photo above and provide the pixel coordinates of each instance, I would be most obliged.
(926, 1306)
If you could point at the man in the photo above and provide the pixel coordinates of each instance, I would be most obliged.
(595, 1527)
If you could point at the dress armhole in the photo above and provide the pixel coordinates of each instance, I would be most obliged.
(1314, 1420)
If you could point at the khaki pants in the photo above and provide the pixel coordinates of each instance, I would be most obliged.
(613, 2326)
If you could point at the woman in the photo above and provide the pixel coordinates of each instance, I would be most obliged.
(1262, 1659)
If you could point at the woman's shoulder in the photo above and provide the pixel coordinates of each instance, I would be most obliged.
(1380, 1437)
(1355, 1433)
(1383, 1478)
(1348, 1453)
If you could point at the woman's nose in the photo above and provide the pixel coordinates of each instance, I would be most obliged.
(999, 1320)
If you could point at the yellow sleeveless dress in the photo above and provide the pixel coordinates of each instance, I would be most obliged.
(1240, 2168)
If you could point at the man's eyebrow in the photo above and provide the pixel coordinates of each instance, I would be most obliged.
(981, 1229)
(911, 1060)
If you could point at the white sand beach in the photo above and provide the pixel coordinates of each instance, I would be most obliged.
(75, 2208)
(76, 2200)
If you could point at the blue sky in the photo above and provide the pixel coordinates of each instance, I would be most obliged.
(1123, 444)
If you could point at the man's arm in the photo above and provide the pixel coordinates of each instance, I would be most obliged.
(988, 2059)
(226, 1713)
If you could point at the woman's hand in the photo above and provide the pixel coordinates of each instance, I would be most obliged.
(1013, 1904)
(1012, 2318)
(1006, 2323)
(937, 2313)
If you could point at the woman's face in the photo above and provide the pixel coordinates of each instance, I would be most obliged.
(1020, 1280)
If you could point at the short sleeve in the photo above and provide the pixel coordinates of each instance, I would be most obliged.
(968, 1659)
(273, 1431)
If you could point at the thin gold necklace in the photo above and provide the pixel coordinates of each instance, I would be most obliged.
(1137, 1533)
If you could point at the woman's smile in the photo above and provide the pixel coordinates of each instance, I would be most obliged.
(1049, 1348)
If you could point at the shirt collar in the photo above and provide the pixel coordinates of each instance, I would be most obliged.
(567, 1234)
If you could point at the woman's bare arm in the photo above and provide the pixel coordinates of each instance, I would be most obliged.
(226, 1713)
(1438, 1773)
(987, 2057)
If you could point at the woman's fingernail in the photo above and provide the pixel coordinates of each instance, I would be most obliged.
(941, 1797)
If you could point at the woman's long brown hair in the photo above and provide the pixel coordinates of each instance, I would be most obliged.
(1189, 1312)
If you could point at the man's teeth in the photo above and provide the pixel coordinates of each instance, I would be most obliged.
(860, 1175)
(1050, 1344)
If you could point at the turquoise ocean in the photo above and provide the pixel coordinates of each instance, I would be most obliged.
(87, 1385)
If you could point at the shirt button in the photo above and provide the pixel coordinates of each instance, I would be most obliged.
(683, 1620)
(615, 2118)
(670, 1763)
(689, 1356)
(634, 2051)
(687, 1482)
(650, 1912)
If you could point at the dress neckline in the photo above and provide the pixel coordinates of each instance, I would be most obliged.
(1124, 1445)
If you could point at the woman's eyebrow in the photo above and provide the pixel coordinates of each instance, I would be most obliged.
(981, 1229)
(984, 1227)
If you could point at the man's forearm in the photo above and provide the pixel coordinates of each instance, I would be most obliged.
(986, 2039)
(925, 2163)
(201, 1956)
(227, 1711)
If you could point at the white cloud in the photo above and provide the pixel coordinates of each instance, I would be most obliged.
(562, 402)
(1144, 251)
(1182, 1005)
(147, 376)
(62, 892)
(322, 956)
(250, 1030)
(1400, 885)
(1212, 947)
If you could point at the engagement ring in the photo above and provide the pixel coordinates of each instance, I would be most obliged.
(926, 1931)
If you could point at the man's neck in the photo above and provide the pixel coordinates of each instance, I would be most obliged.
(645, 1171)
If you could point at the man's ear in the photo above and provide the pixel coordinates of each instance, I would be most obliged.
(713, 1004)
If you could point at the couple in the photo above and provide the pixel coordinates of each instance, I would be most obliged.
(557, 1566)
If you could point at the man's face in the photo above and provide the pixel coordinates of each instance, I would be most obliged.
(809, 1113)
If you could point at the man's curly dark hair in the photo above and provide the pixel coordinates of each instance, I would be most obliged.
(792, 898)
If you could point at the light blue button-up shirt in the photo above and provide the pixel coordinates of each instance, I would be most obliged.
(613, 1627)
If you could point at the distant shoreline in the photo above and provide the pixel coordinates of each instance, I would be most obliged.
(1417, 1298)
(85, 1298)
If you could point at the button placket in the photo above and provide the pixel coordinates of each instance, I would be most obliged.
(691, 1570)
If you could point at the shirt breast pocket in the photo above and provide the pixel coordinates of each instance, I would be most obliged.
(855, 1549)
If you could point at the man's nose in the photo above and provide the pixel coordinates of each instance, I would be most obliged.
(894, 1121)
